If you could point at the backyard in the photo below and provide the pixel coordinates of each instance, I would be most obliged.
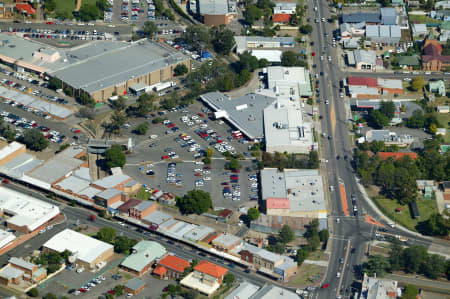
(444, 119)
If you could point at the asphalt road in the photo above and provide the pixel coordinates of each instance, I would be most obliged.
(351, 231)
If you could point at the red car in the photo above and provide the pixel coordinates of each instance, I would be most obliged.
(82, 290)
(201, 114)
(219, 140)
(5, 181)
(165, 157)
(50, 23)
(235, 171)
(171, 125)
(77, 131)
(197, 174)
(324, 286)
(234, 177)
(313, 53)
(34, 125)
(111, 292)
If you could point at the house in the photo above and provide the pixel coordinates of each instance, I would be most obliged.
(134, 286)
(226, 242)
(419, 30)
(437, 87)
(206, 278)
(432, 60)
(171, 267)
(439, 5)
(444, 36)
(281, 18)
(144, 255)
(18, 270)
(25, 9)
(413, 3)
(351, 43)
(443, 109)
(446, 186)
(397, 2)
(373, 287)
(365, 59)
(441, 131)
(408, 62)
(124, 209)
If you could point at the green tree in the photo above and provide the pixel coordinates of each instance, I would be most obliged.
(52, 268)
(222, 39)
(302, 254)
(118, 290)
(324, 235)
(88, 12)
(377, 120)
(253, 214)
(252, 14)
(180, 70)
(144, 104)
(410, 292)
(85, 99)
(433, 267)
(289, 58)
(195, 201)
(229, 278)
(286, 234)
(54, 83)
(387, 108)
(197, 36)
(119, 104)
(34, 292)
(405, 189)
(35, 140)
(435, 225)
(124, 244)
(377, 264)
(142, 128)
(149, 29)
(233, 164)
(118, 119)
(417, 83)
(50, 296)
(115, 157)
(417, 120)
(395, 255)
(49, 5)
(446, 48)
(413, 257)
(314, 242)
(306, 29)
(106, 234)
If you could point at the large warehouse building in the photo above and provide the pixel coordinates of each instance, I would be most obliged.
(99, 68)
(88, 251)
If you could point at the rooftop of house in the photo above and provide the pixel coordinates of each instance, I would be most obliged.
(210, 269)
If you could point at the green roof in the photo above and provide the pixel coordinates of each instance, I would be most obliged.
(445, 25)
(397, 1)
(408, 60)
(445, 148)
(144, 253)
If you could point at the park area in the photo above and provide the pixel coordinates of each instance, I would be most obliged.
(64, 8)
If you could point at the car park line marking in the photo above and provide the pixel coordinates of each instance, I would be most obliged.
(343, 199)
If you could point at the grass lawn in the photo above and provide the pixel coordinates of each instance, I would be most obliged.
(444, 119)
(388, 206)
(69, 5)
(142, 194)
(423, 19)
(306, 275)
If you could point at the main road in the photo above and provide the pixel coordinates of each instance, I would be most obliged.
(350, 233)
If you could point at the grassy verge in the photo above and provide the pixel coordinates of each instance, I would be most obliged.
(306, 275)
(388, 207)
(423, 19)
(444, 119)
(143, 195)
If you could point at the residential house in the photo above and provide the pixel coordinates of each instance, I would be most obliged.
(432, 60)
(350, 30)
(18, 270)
(284, 8)
(397, 2)
(351, 43)
(171, 267)
(439, 5)
(396, 155)
(437, 87)
(144, 255)
(134, 286)
(441, 131)
(281, 18)
(206, 278)
(446, 186)
(25, 9)
(409, 62)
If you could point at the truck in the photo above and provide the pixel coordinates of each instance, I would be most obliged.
(162, 85)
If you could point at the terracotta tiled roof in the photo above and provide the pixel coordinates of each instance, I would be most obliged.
(396, 156)
(277, 203)
(210, 269)
(365, 81)
(174, 262)
(25, 7)
(225, 213)
(281, 17)
(159, 270)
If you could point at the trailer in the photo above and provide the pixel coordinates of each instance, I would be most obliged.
(162, 85)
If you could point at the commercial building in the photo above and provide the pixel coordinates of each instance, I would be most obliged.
(226, 242)
(206, 278)
(11, 151)
(285, 8)
(199, 233)
(83, 68)
(270, 291)
(6, 238)
(293, 193)
(285, 130)
(134, 286)
(143, 209)
(25, 213)
(358, 17)
(388, 16)
(351, 30)
(155, 219)
(87, 251)
(364, 59)
(144, 255)
(419, 30)
(437, 87)
(389, 138)
(368, 87)
(245, 290)
(216, 12)
(269, 55)
(387, 35)
(29, 271)
(245, 43)
(378, 288)
(245, 113)
(171, 267)
(289, 82)
(433, 60)
(108, 197)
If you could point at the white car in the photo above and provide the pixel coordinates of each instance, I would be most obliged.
(321, 57)
(338, 274)
(329, 58)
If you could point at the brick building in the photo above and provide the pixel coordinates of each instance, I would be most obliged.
(171, 267)
(432, 60)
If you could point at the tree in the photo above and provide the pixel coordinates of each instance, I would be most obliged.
(195, 201)
(119, 104)
(433, 267)
(306, 29)
(197, 36)
(89, 12)
(417, 120)
(222, 39)
(142, 128)
(286, 234)
(302, 254)
(118, 290)
(413, 257)
(252, 14)
(54, 83)
(118, 119)
(149, 29)
(253, 214)
(106, 234)
(446, 48)
(35, 140)
(229, 278)
(115, 157)
(377, 120)
(50, 296)
(377, 264)
(289, 58)
(233, 164)
(144, 104)
(417, 83)
(180, 70)
(34, 292)
(124, 244)
(86, 100)
(395, 255)
(410, 292)
(324, 235)
(405, 189)
(435, 225)
(52, 268)
(387, 108)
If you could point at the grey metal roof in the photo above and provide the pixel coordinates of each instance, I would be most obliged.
(198, 233)
(244, 291)
(10, 272)
(213, 7)
(55, 168)
(22, 263)
(90, 192)
(365, 56)
(157, 217)
(117, 66)
(130, 183)
(108, 193)
(73, 184)
(388, 16)
(134, 284)
(269, 256)
(248, 119)
(270, 291)
(111, 181)
(144, 205)
(361, 17)
(226, 240)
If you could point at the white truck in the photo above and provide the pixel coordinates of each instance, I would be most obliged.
(162, 85)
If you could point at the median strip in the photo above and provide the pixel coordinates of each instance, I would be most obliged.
(343, 199)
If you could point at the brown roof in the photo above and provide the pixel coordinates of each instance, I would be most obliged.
(225, 213)
(210, 269)
(129, 204)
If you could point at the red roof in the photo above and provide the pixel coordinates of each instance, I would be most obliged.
(365, 81)
(159, 270)
(26, 8)
(281, 17)
(174, 262)
(277, 203)
(225, 213)
(396, 156)
(210, 269)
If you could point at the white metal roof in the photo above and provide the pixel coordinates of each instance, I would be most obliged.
(9, 149)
